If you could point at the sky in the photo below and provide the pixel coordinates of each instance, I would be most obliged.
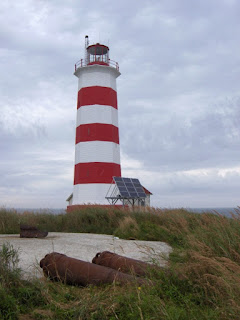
(178, 97)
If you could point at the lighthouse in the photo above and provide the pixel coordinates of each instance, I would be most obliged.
(97, 151)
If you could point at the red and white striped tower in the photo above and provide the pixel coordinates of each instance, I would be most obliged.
(97, 152)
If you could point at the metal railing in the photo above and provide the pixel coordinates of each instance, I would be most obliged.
(82, 63)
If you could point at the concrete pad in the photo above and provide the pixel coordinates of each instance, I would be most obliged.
(83, 246)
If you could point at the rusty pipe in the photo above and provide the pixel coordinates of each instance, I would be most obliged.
(123, 264)
(60, 267)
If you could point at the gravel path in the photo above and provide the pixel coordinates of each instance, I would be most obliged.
(82, 246)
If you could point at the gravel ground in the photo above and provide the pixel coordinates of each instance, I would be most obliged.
(83, 246)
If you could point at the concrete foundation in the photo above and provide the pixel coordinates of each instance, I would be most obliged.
(82, 246)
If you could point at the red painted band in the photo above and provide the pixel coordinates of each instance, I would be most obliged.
(97, 132)
(96, 172)
(98, 62)
(97, 95)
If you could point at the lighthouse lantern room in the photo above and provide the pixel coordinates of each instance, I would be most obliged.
(97, 152)
(98, 54)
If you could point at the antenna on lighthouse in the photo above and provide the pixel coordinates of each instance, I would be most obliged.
(86, 42)
(86, 45)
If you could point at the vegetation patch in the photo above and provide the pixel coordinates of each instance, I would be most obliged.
(202, 280)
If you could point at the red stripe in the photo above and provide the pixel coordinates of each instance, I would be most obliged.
(96, 172)
(97, 95)
(97, 132)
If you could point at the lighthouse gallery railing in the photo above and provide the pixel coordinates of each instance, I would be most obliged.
(82, 63)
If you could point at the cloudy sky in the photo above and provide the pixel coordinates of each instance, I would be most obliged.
(178, 97)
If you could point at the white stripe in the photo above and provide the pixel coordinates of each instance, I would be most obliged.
(91, 193)
(97, 114)
(97, 151)
(97, 76)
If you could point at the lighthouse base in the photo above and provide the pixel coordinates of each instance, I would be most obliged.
(90, 193)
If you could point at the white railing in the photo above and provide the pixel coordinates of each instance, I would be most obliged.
(82, 63)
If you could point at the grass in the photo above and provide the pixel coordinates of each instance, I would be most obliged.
(201, 282)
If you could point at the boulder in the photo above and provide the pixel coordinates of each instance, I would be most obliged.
(28, 231)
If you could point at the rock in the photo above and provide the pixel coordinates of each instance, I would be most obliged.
(27, 231)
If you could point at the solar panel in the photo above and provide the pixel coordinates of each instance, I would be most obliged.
(129, 188)
(129, 184)
(125, 194)
(137, 184)
(122, 189)
(133, 195)
(142, 194)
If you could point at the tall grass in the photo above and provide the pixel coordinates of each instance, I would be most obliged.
(202, 280)
(94, 220)
(16, 295)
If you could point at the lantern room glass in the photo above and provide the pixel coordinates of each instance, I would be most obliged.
(97, 54)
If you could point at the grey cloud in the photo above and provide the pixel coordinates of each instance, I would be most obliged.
(178, 95)
(208, 140)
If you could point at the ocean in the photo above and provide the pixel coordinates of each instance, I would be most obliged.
(223, 211)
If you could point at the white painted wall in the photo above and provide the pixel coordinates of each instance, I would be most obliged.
(97, 114)
(97, 75)
(91, 193)
(97, 151)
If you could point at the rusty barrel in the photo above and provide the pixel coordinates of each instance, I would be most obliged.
(123, 264)
(60, 267)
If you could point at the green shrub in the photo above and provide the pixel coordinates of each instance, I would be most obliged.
(9, 271)
(8, 305)
(9, 221)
